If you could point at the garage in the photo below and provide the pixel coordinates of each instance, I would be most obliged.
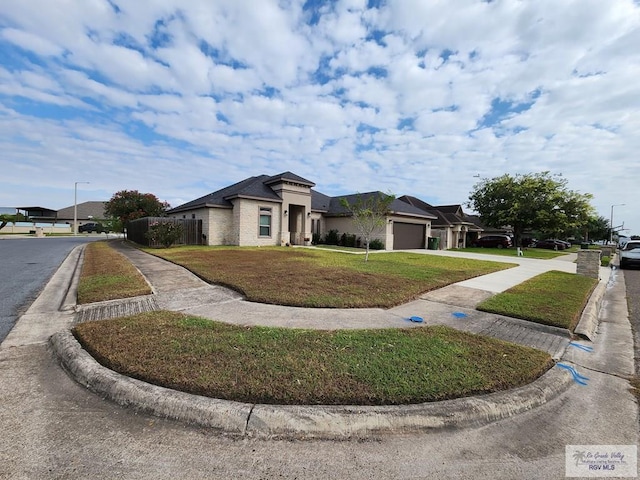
(408, 235)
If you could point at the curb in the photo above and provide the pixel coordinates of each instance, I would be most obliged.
(292, 421)
(588, 325)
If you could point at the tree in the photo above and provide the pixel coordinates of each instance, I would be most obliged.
(8, 218)
(369, 213)
(127, 205)
(597, 228)
(534, 201)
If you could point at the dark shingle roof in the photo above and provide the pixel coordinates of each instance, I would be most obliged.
(253, 187)
(291, 177)
(320, 202)
(397, 207)
(446, 215)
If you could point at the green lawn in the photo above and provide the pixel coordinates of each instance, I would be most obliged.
(325, 278)
(552, 298)
(293, 366)
(107, 275)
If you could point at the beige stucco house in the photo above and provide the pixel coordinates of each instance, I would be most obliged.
(452, 225)
(284, 209)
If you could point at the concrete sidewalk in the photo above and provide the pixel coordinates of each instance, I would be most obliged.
(178, 289)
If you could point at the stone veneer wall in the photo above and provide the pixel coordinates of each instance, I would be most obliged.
(589, 263)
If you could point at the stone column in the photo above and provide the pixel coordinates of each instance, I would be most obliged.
(589, 263)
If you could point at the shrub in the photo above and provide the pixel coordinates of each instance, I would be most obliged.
(376, 244)
(316, 239)
(332, 237)
(164, 233)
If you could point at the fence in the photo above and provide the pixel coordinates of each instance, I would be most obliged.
(191, 230)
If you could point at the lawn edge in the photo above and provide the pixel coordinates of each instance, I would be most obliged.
(291, 421)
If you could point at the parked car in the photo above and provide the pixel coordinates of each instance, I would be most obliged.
(90, 227)
(494, 241)
(553, 244)
(630, 253)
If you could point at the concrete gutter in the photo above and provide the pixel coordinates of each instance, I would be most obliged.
(300, 421)
(588, 324)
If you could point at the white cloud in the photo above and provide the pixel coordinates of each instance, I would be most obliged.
(201, 94)
(31, 42)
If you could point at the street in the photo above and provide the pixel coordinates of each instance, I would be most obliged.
(55, 428)
(27, 264)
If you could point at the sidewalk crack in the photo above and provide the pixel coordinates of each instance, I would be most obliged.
(246, 425)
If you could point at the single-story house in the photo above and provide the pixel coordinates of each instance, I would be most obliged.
(284, 209)
(86, 212)
(455, 228)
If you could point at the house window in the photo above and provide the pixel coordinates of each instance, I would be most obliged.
(193, 216)
(315, 226)
(265, 222)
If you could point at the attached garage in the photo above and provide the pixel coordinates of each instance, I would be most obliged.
(408, 235)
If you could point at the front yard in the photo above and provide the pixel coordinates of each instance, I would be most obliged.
(293, 366)
(322, 278)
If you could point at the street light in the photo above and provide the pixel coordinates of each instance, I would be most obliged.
(75, 207)
(611, 220)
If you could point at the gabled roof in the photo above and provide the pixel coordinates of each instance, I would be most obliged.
(289, 177)
(397, 207)
(253, 187)
(85, 210)
(446, 215)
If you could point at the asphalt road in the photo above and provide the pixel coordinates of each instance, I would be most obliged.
(26, 264)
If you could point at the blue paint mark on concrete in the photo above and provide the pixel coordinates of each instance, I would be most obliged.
(459, 314)
(586, 348)
(579, 379)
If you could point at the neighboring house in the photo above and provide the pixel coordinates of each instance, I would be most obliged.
(37, 214)
(285, 210)
(455, 228)
(86, 212)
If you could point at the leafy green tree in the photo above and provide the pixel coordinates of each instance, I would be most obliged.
(8, 218)
(127, 205)
(369, 213)
(534, 201)
(597, 228)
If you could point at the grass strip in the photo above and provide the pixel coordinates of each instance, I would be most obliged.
(552, 298)
(108, 275)
(294, 366)
(323, 278)
(538, 253)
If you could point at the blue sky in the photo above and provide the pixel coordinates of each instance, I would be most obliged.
(181, 98)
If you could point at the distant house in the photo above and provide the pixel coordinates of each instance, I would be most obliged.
(86, 212)
(38, 214)
(284, 209)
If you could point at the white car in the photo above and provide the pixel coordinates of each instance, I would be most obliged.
(630, 253)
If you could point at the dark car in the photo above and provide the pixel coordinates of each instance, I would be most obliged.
(494, 241)
(552, 244)
(90, 227)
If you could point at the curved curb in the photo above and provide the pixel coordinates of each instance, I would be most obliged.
(588, 324)
(291, 421)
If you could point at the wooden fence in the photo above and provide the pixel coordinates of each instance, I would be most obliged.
(191, 230)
